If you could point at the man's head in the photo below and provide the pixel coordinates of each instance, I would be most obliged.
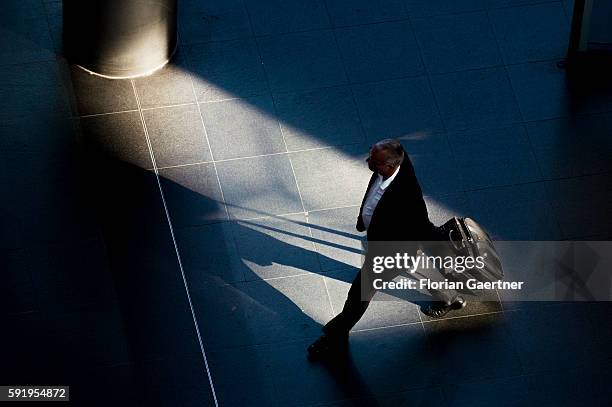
(385, 156)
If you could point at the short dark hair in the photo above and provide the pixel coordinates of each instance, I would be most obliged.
(393, 149)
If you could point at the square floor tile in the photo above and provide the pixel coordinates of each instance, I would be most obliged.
(177, 135)
(120, 380)
(430, 396)
(544, 92)
(494, 157)
(25, 169)
(46, 203)
(385, 309)
(309, 383)
(337, 241)
(91, 336)
(543, 33)
(260, 186)
(395, 350)
(441, 208)
(475, 99)
(209, 255)
(261, 312)
(192, 194)
(598, 313)
(60, 284)
(551, 338)
(570, 387)
(185, 379)
(227, 69)
(319, 118)
(40, 135)
(287, 308)
(502, 392)
(300, 61)
(396, 108)
(242, 127)
(26, 41)
(418, 8)
(170, 85)
(95, 94)
(331, 177)
(582, 205)
(541, 90)
(568, 5)
(496, 4)
(518, 212)
(221, 311)
(19, 294)
(117, 136)
(379, 52)
(456, 341)
(275, 247)
(213, 21)
(32, 89)
(437, 172)
(572, 146)
(281, 16)
(21, 10)
(345, 13)
(54, 12)
(245, 368)
(435, 166)
(456, 42)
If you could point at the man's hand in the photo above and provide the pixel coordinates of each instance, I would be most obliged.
(360, 226)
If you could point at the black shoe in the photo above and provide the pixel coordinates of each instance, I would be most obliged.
(440, 309)
(327, 346)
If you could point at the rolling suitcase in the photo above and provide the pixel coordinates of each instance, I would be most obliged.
(468, 238)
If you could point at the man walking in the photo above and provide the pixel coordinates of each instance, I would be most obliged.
(392, 209)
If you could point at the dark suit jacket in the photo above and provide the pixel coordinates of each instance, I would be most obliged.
(401, 213)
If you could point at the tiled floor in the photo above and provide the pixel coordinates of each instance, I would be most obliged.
(180, 238)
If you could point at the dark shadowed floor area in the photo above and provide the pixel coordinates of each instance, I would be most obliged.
(179, 239)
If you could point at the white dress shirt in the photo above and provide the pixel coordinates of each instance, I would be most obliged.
(376, 192)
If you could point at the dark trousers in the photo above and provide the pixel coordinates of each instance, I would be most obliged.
(354, 307)
(358, 299)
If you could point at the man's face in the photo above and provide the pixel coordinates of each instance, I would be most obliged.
(377, 161)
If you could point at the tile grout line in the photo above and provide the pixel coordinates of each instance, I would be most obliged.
(390, 20)
(297, 185)
(524, 127)
(267, 216)
(427, 74)
(387, 327)
(84, 116)
(146, 109)
(349, 85)
(212, 157)
(429, 321)
(180, 264)
(195, 95)
(262, 155)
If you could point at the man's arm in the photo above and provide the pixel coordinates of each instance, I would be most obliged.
(360, 226)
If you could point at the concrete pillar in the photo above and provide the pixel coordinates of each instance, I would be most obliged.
(120, 38)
